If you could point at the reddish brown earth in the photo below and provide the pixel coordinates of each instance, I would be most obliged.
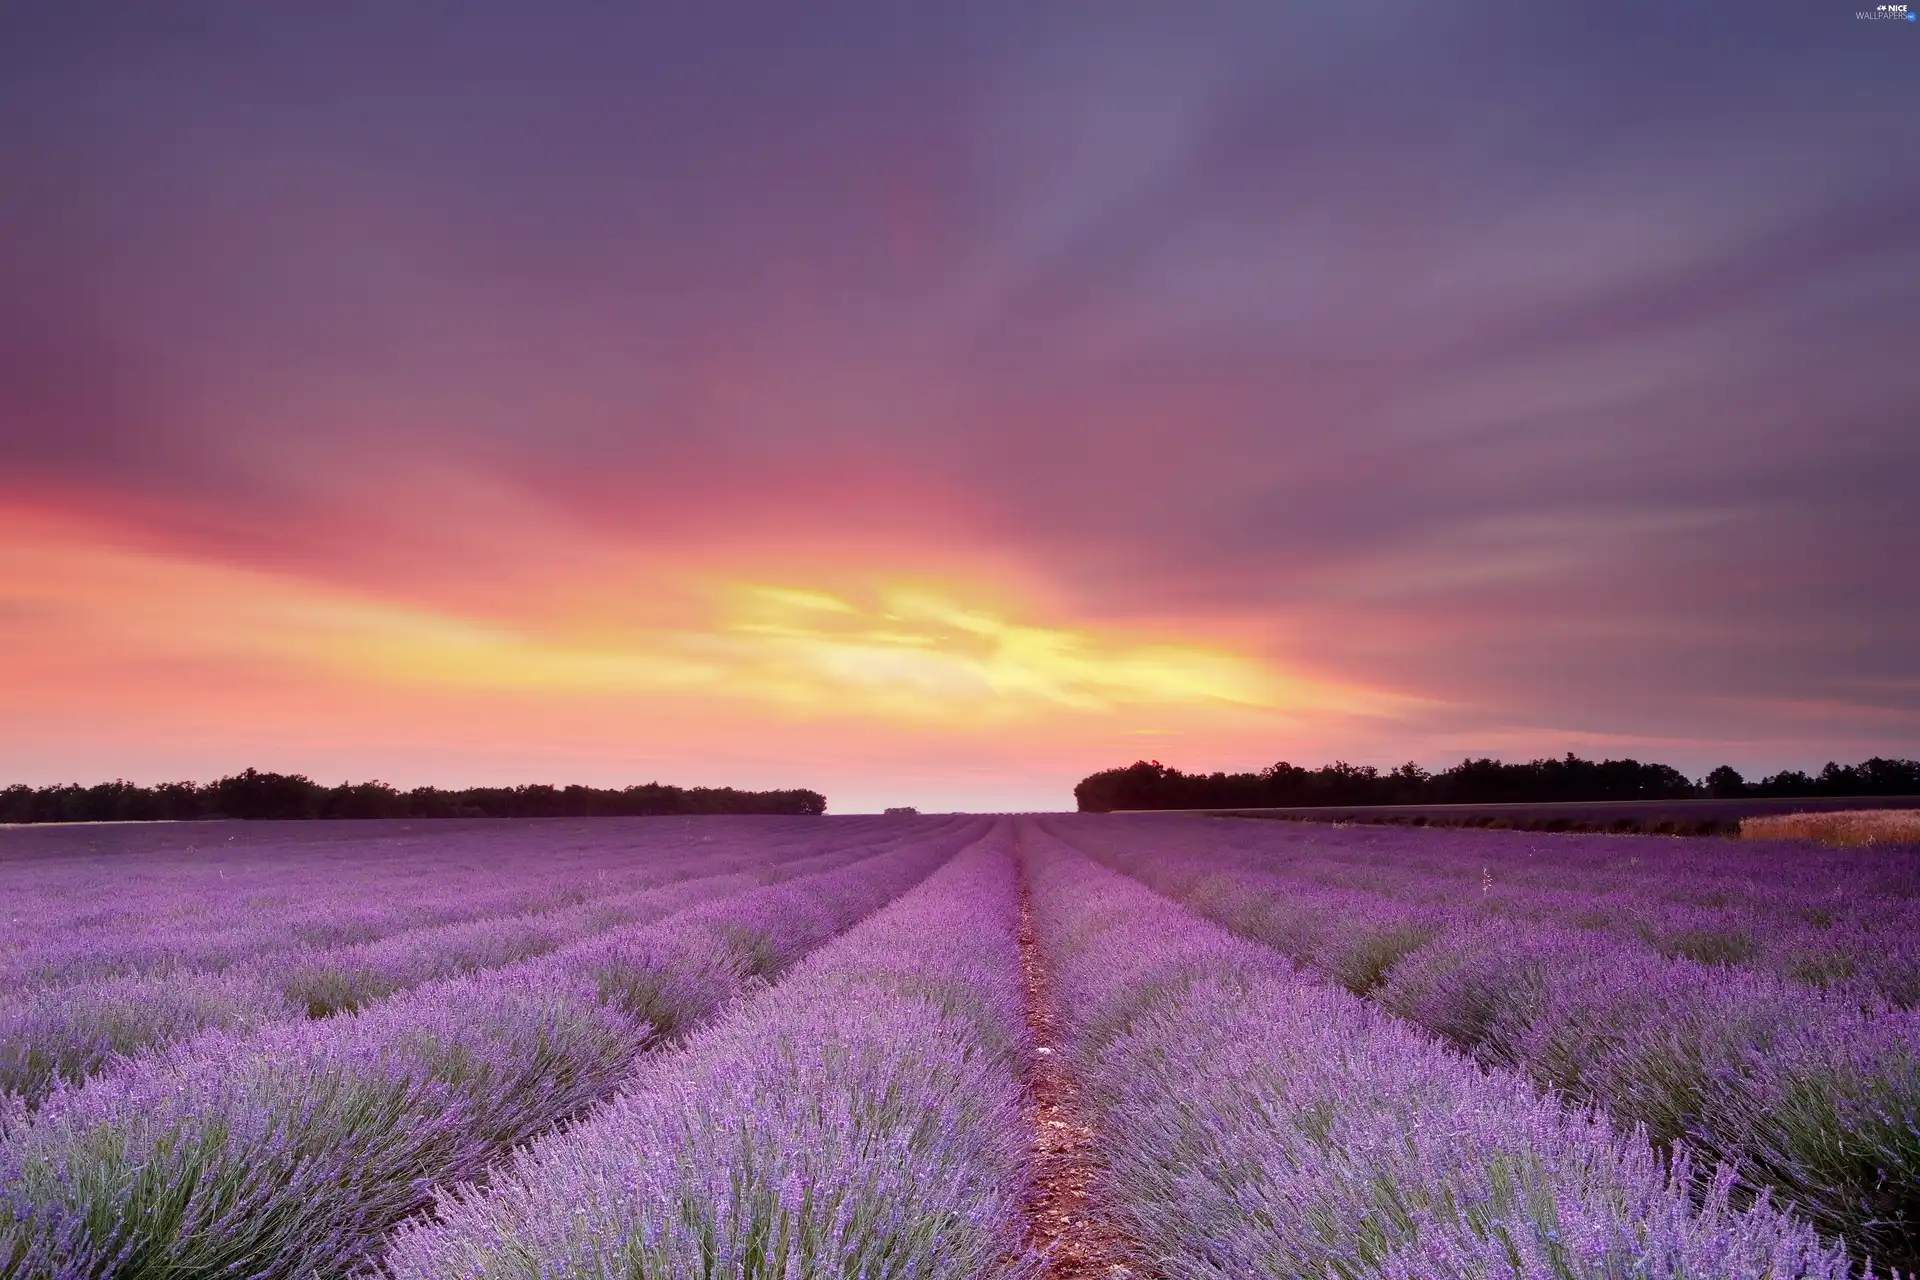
(1064, 1216)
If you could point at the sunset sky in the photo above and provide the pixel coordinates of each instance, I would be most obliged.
(933, 403)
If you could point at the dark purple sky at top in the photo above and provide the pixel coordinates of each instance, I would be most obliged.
(1556, 362)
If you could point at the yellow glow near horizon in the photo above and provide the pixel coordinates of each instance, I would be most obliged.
(914, 650)
(922, 653)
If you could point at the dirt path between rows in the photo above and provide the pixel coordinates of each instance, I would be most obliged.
(1064, 1219)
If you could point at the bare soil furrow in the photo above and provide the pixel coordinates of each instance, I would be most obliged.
(1065, 1220)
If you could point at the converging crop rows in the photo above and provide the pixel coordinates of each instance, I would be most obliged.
(810, 1047)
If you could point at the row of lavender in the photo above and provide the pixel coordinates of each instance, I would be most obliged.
(294, 1148)
(1803, 912)
(1257, 1123)
(1812, 1094)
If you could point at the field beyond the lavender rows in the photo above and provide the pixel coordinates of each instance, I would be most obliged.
(1152, 1045)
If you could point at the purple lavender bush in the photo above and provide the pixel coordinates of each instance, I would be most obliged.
(1802, 1091)
(859, 1120)
(290, 1152)
(1257, 1123)
(49, 1037)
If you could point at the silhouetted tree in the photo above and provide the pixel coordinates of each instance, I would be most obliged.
(1788, 783)
(1725, 783)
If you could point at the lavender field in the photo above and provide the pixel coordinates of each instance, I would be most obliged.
(1129, 1045)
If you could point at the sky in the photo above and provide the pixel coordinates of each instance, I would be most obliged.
(933, 404)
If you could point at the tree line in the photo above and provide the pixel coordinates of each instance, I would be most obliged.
(257, 795)
(1148, 784)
